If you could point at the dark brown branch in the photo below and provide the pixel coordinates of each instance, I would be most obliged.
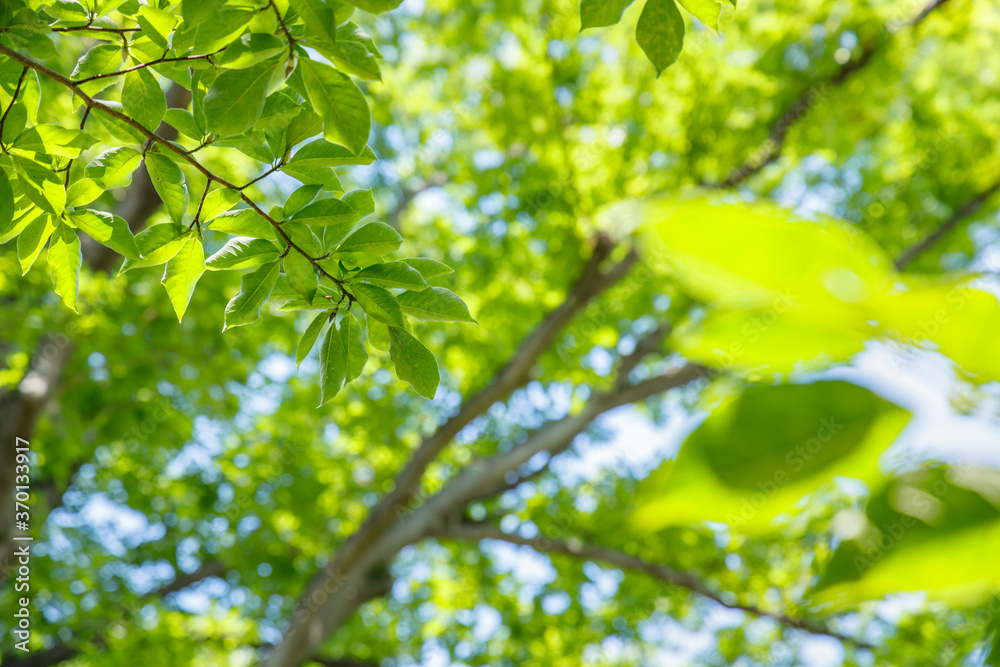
(576, 549)
(967, 209)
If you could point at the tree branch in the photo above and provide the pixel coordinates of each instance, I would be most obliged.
(576, 549)
(772, 148)
(967, 209)
(309, 627)
(436, 179)
(553, 438)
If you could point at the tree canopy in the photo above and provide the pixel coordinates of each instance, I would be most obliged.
(436, 333)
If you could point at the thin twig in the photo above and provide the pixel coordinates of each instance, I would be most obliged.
(158, 61)
(967, 209)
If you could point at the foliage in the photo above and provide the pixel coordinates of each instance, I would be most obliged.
(254, 89)
(827, 240)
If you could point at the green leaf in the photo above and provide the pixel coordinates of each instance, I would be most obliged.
(332, 365)
(242, 252)
(354, 346)
(236, 99)
(376, 6)
(378, 335)
(325, 212)
(378, 303)
(41, 185)
(251, 49)
(82, 192)
(393, 274)
(660, 33)
(119, 129)
(352, 58)
(601, 13)
(65, 259)
(6, 202)
(156, 244)
(156, 24)
(196, 12)
(321, 153)
(318, 17)
(708, 12)
(301, 275)
(143, 99)
(182, 273)
(113, 168)
(168, 181)
(414, 363)
(183, 121)
(101, 59)
(219, 201)
(244, 308)
(52, 140)
(20, 222)
(107, 229)
(244, 222)
(17, 117)
(926, 531)
(428, 268)
(782, 293)
(299, 198)
(374, 238)
(346, 117)
(303, 237)
(309, 337)
(325, 177)
(759, 453)
(362, 201)
(32, 239)
(306, 124)
(435, 303)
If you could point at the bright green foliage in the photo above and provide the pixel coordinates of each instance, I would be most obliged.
(926, 530)
(760, 452)
(255, 90)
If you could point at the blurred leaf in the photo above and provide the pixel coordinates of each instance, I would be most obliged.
(760, 452)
